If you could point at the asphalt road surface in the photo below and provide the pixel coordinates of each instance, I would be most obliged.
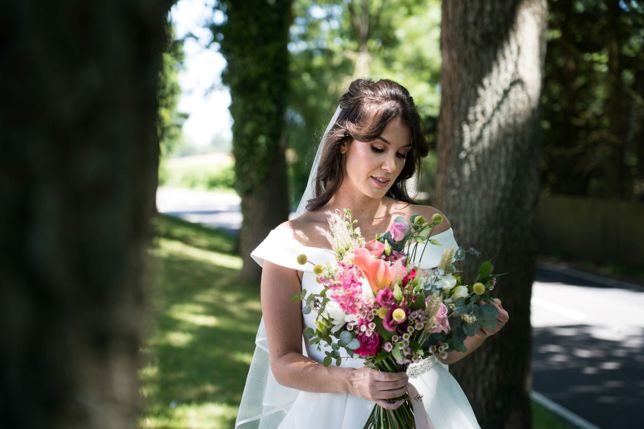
(588, 349)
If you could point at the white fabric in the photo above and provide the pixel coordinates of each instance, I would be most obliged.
(266, 404)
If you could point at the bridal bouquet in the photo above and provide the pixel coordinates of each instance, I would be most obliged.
(378, 303)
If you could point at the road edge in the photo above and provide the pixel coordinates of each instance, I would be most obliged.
(562, 412)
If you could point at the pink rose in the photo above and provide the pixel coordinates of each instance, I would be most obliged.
(369, 345)
(375, 247)
(399, 229)
(442, 323)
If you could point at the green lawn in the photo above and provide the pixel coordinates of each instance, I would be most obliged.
(203, 326)
(202, 329)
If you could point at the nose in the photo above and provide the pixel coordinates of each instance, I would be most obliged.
(389, 164)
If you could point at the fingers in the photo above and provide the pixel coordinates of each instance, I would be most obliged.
(380, 386)
(392, 385)
(389, 376)
(389, 394)
(390, 405)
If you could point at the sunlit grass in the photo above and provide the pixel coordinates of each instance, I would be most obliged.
(203, 326)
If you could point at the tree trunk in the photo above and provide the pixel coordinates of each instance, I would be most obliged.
(488, 179)
(254, 41)
(77, 185)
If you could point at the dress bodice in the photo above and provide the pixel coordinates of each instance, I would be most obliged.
(281, 248)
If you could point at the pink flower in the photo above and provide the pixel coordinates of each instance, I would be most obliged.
(398, 271)
(396, 255)
(389, 322)
(369, 344)
(409, 277)
(385, 297)
(399, 229)
(375, 247)
(442, 323)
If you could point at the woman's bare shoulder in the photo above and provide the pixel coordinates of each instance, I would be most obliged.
(427, 212)
(306, 228)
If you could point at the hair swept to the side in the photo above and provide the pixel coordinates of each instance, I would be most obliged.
(366, 109)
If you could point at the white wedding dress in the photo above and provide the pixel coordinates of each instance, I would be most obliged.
(266, 404)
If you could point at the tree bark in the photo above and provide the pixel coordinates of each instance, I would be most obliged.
(488, 179)
(78, 174)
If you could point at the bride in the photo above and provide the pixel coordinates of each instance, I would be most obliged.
(372, 146)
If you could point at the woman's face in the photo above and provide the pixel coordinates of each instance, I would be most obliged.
(372, 167)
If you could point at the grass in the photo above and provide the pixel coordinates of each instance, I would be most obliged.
(209, 172)
(203, 327)
(202, 332)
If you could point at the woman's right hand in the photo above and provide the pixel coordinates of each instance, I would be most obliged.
(379, 386)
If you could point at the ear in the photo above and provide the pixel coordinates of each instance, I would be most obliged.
(343, 148)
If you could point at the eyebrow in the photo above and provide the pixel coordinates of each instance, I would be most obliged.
(389, 143)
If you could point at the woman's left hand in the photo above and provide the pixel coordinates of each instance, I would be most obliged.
(501, 319)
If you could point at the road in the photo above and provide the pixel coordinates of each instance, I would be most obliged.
(588, 332)
(588, 346)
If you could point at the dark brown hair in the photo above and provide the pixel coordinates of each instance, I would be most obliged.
(367, 108)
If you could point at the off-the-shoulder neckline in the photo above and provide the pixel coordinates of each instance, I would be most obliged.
(288, 230)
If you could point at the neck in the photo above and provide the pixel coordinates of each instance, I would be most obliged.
(368, 211)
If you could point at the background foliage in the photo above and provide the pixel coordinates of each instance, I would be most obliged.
(592, 99)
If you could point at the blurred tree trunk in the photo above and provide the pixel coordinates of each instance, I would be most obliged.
(254, 40)
(78, 174)
(488, 179)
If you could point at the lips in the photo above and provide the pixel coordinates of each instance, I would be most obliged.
(381, 182)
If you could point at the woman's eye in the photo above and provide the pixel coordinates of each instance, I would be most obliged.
(377, 149)
(401, 155)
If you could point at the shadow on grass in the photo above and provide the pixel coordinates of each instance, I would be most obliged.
(194, 234)
(202, 330)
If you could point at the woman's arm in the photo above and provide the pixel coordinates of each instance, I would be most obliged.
(283, 321)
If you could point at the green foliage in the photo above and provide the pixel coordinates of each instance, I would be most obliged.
(170, 120)
(592, 99)
(210, 172)
(222, 179)
(253, 38)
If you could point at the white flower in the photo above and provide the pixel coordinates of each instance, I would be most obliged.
(448, 281)
(335, 313)
(460, 292)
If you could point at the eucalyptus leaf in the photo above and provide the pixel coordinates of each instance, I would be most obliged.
(327, 361)
(353, 344)
(470, 329)
(345, 337)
